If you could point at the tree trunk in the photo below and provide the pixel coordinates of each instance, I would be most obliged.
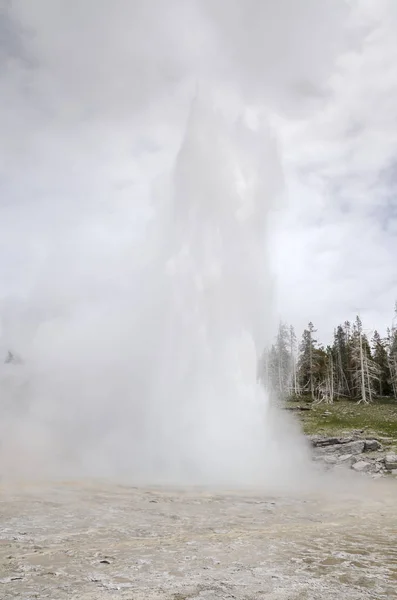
(363, 389)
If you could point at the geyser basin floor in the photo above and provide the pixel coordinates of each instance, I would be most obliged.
(80, 541)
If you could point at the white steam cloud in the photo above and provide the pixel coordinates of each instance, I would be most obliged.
(136, 282)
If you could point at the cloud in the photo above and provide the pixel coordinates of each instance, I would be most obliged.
(343, 210)
(279, 53)
(94, 97)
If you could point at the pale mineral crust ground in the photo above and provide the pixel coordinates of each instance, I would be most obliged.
(99, 541)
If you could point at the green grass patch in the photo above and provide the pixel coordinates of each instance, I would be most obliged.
(342, 417)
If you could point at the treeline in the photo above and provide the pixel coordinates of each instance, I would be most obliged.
(356, 366)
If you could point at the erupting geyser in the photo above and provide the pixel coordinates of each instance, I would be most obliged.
(164, 389)
(215, 288)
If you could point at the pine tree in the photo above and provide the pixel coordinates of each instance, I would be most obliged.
(365, 370)
(307, 360)
(273, 369)
(391, 360)
(340, 354)
(349, 358)
(295, 388)
(262, 368)
(391, 344)
(284, 366)
(380, 358)
(351, 367)
(276, 365)
(326, 375)
(9, 358)
(12, 358)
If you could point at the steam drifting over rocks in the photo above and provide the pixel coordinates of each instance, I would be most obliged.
(362, 455)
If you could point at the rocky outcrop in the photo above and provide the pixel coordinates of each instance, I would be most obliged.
(391, 462)
(372, 445)
(362, 455)
(355, 447)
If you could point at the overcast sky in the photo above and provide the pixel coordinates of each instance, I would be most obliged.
(94, 95)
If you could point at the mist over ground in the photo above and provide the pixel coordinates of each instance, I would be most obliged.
(141, 172)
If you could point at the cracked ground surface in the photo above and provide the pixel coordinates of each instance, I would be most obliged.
(99, 541)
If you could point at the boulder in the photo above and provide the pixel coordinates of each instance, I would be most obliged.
(321, 442)
(356, 447)
(391, 462)
(346, 459)
(372, 445)
(317, 441)
(361, 466)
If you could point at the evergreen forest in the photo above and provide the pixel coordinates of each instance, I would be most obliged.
(355, 366)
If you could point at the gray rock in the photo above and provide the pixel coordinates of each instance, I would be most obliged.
(342, 452)
(372, 445)
(356, 447)
(346, 459)
(321, 442)
(391, 462)
(361, 466)
(317, 441)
